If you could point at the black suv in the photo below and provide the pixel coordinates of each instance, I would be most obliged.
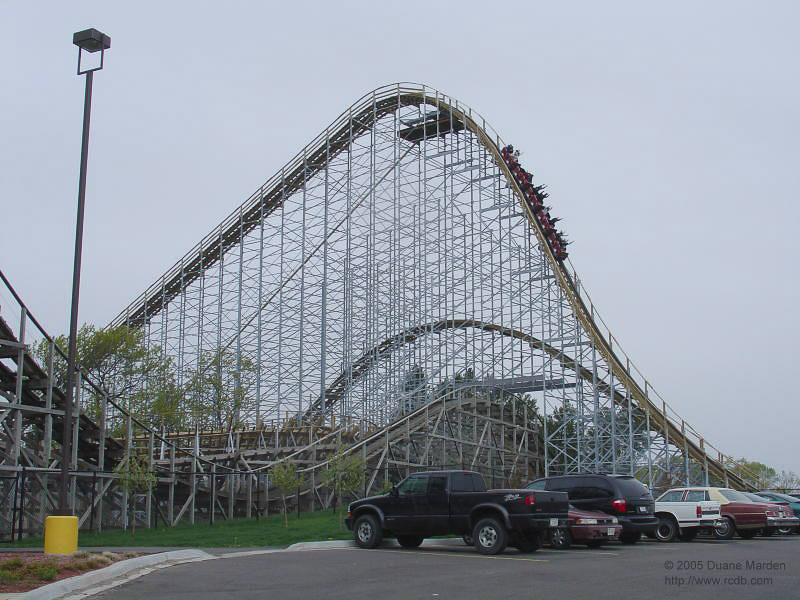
(620, 495)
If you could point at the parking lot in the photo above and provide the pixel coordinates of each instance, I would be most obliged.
(445, 569)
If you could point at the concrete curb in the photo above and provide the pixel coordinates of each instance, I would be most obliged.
(390, 543)
(112, 575)
(321, 545)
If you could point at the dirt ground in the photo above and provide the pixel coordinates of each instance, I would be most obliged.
(24, 571)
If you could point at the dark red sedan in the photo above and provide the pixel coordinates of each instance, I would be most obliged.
(589, 527)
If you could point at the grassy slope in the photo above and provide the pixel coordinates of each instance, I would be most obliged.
(269, 531)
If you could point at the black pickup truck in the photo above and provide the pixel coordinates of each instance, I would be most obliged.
(457, 502)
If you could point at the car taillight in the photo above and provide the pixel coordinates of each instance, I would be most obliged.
(619, 505)
(699, 511)
(530, 500)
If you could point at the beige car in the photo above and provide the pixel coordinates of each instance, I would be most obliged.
(739, 514)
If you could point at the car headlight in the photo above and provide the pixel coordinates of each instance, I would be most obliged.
(586, 522)
(614, 520)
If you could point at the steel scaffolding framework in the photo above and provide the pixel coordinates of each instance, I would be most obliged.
(389, 289)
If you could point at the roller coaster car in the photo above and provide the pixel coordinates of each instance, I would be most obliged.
(432, 124)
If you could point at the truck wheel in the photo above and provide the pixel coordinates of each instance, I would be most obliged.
(560, 537)
(667, 529)
(490, 536)
(688, 534)
(467, 539)
(410, 541)
(747, 534)
(630, 537)
(367, 532)
(726, 530)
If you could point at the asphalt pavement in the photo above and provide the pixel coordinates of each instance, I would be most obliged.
(703, 569)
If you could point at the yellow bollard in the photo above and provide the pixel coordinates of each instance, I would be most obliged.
(60, 535)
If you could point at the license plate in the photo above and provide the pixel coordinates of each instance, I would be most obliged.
(643, 509)
(611, 531)
(553, 522)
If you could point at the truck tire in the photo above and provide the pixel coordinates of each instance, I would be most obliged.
(490, 536)
(747, 534)
(367, 532)
(410, 541)
(688, 534)
(785, 531)
(726, 530)
(560, 538)
(630, 537)
(667, 529)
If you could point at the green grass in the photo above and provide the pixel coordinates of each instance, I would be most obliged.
(238, 533)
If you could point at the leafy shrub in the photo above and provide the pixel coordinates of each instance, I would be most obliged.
(77, 565)
(8, 576)
(45, 571)
(98, 561)
(11, 564)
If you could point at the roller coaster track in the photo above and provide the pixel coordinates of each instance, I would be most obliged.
(360, 117)
(383, 350)
(302, 439)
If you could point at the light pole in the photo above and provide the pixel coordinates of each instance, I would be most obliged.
(61, 531)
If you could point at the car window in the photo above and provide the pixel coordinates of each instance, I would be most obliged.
(437, 485)
(477, 483)
(734, 496)
(756, 497)
(597, 487)
(597, 491)
(697, 496)
(536, 485)
(461, 482)
(673, 496)
(561, 484)
(413, 486)
(631, 487)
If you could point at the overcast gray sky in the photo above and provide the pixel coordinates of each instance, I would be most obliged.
(667, 135)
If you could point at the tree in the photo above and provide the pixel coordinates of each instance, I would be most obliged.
(219, 390)
(288, 481)
(121, 363)
(414, 389)
(134, 476)
(787, 481)
(344, 473)
(757, 473)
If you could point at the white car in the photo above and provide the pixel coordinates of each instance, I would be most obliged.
(683, 514)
